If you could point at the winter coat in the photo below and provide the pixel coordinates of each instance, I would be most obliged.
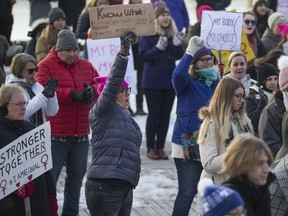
(72, 117)
(158, 64)
(256, 199)
(83, 25)
(39, 9)
(191, 94)
(283, 151)
(270, 40)
(12, 205)
(6, 8)
(246, 81)
(49, 106)
(270, 121)
(116, 137)
(43, 45)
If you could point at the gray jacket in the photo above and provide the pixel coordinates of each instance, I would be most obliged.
(116, 137)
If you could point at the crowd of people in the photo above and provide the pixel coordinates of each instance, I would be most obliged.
(229, 141)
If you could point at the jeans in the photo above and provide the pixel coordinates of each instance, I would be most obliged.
(75, 155)
(188, 177)
(104, 199)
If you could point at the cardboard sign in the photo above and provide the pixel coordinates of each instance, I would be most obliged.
(101, 54)
(25, 159)
(112, 21)
(221, 30)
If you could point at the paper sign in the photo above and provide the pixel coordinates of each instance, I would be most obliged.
(112, 21)
(101, 53)
(25, 159)
(221, 30)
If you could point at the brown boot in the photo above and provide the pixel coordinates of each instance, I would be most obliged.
(152, 154)
(162, 154)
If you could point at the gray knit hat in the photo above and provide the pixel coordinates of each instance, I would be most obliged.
(66, 40)
(56, 13)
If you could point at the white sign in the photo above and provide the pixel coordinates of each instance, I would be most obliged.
(221, 30)
(102, 53)
(25, 159)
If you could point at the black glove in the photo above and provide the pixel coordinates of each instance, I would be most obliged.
(50, 88)
(88, 93)
(77, 95)
(127, 38)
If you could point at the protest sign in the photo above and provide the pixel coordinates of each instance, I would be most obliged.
(112, 21)
(25, 159)
(101, 53)
(221, 30)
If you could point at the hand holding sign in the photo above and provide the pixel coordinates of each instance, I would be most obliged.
(195, 44)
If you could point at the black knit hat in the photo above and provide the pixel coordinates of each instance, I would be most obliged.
(56, 13)
(264, 70)
(66, 40)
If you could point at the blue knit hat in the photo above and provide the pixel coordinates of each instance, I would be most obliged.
(202, 52)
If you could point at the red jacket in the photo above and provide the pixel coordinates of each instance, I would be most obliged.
(72, 118)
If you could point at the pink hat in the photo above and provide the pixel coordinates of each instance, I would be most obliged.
(283, 75)
(101, 80)
(283, 29)
(201, 8)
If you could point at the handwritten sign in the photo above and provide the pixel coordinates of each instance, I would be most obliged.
(25, 159)
(112, 21)
(221, 30)
(101, 53)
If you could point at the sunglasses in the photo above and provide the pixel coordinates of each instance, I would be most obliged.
(247, 22)
(126, 91)
(32, 70)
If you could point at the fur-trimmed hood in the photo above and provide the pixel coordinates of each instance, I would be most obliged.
(203, 113)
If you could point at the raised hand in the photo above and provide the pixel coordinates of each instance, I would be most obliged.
(127, 38)
(195, 44)
(50, 88)
(162, 43)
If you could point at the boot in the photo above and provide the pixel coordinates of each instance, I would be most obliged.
(140, 112)
(131, 112)
(152, 154)
(162, 154)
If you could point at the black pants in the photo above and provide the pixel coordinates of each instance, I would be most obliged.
(159, 103)
(6, 27)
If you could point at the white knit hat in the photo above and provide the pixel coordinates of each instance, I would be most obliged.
(283, 75)
(273, 18)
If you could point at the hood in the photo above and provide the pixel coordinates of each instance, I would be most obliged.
(203, 113)
(12, 78)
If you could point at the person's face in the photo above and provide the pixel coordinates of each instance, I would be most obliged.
(249, 24)
(16, 107)
(164, 20)
(123, 97)
(258, 176)
(238, 99)
(102, 3)
(275, 28)
(261, 9)
(239, 211)
(271, 83)
(68, 56)
(29, 72)
(205, 61)
(238, 67)
(59, 24)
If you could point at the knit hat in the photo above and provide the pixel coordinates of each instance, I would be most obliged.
(283, 29)
(200, 10)
(101, 80)
(66, 40)
(217, 200)
(202, 52)
(234, 54)
(283, 75)
(160, 7)
(273, 18)
(56, 13)
(265, 70)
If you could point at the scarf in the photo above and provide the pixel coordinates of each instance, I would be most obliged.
(207, 75)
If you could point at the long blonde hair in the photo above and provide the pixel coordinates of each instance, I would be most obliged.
(169, 32)
(220, 112)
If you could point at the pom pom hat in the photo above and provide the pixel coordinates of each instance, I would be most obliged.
(101, 80)
(283, 75)
(283, 29)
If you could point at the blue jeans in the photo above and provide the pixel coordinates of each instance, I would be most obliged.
(188, 176)
(75, 155)
(104, 199)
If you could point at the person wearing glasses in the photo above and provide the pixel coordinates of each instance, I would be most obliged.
(116, 140)
(13, 104)
(194, 80)
(223, 120)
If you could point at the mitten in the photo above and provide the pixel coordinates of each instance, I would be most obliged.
(178, 38)
(77, 96)
(53, 206)
(195, 44)
(26, 190)
(127, 38)
(50, 88)
(89, 93)
(162, 43)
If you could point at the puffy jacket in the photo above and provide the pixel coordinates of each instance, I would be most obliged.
(116, 137)
(72, 117)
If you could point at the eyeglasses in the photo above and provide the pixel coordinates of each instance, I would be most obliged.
(240, 97)
(19, 104)
(205, 60)
(32, 70)
(125, 91)
(247, 22)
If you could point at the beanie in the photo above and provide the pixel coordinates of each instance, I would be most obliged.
(66, 40)
(101, 80)
(56, 13)
(265, 70)
(273, 18)
(283, 75)
(283, 29)
(218, 200)
(200, 10)
(160, 7)
(202, 52)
